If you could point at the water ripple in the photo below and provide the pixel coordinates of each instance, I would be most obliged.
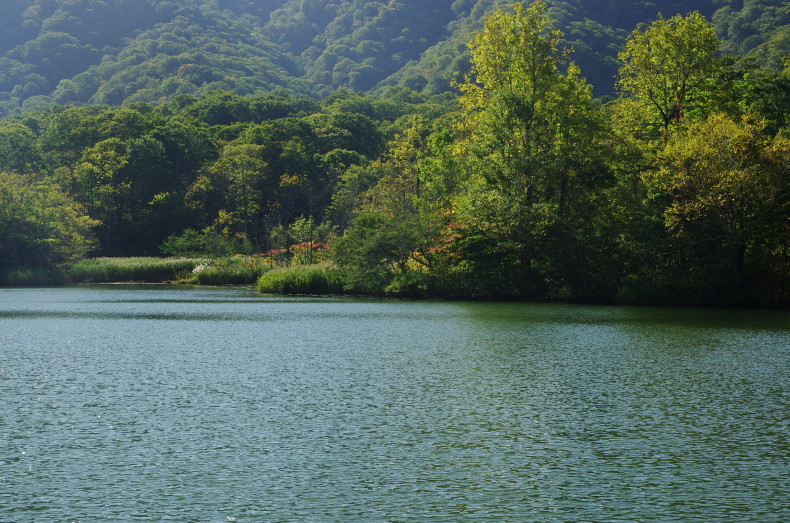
(215, 405)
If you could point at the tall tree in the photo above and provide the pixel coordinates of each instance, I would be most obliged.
(238, 175)
(669, 67)
(531, 130)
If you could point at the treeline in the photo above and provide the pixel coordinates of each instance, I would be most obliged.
(676, 192)
(523, 186)
(233, 172)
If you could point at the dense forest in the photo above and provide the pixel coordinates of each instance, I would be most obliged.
(458, 151)
(56, 52)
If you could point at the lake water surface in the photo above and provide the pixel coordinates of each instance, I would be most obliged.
(122, 403)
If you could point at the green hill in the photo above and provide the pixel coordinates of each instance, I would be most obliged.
(121, 51)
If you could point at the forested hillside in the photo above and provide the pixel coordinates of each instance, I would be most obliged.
(517, 184)
(122, 51)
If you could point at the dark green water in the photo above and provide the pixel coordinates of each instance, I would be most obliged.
(121, 403)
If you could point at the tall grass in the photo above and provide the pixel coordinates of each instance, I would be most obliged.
(148, 270)
(303, 279)
(235, 270)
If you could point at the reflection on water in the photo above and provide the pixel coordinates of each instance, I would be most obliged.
(124, 403)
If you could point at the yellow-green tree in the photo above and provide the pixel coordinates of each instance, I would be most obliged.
(98, 177)
(729, 216)
(107, 192)
(669, 68)
(530, 129)
(41, 227)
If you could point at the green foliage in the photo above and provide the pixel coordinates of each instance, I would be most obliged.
(18, 149)
(537, 193)
(303, 279)
(534, 135)
(234, 270)
(146, 174)
(521, 187)
(759, 29)
(78, 51)
(730, 207)
(769, 97)
(131, 51)
(303, 242)
(192, 243)
(669, 68)
(357, 43)
(373, 250)
(397, 214)
(132, 269)
(41, 227)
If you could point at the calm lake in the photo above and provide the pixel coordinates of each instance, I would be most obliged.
(123, 403)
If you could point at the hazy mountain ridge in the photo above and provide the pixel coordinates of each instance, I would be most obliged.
(116, 51)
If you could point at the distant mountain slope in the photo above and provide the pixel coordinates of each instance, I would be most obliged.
(116, 51)
(198, 50)
(756, 28)
(358, 43)
(595, 29)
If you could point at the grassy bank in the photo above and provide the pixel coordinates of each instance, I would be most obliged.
(303, 279)
(147, 270)
(235, 270)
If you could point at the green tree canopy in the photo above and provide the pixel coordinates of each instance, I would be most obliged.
(41, 227)
(670, 67)
(533, 133)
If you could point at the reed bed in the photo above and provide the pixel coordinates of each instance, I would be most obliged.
(236, 270)
(303, 279)
(146, 270)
